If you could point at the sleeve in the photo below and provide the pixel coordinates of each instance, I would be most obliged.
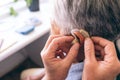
(75, 72)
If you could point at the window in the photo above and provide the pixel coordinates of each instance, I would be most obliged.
(5, 6)
(5, 2)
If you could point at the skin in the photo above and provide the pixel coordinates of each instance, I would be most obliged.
(54, 31)
(107, 67)
(57, 68)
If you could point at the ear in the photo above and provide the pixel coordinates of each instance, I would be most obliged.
(55, 30)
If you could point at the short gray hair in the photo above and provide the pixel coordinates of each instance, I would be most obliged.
(98, 17)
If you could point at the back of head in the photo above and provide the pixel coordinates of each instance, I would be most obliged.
(98, 17)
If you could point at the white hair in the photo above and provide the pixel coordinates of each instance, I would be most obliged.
(97, 17)
(62, 18)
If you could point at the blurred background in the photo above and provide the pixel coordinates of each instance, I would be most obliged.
(24, 29)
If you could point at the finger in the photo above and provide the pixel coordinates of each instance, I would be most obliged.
(54, 45)
(72, 54)
(108, 46)
(101, 41)
(51, 37)
(89, 50)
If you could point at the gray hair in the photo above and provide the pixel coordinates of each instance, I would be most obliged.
(63, 18)
(98, 17)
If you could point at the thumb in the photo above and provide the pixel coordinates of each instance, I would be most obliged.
(89, 50)
(72, 54)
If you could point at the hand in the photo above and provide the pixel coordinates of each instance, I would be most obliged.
(57, 68)
(106, 69)
(33, 74)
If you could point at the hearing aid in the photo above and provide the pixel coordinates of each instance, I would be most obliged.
(79, 35)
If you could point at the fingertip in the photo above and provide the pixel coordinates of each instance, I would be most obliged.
(87, 39)
(76, 46)
(87, 42)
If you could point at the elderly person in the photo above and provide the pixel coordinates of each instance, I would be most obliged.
(100, 18)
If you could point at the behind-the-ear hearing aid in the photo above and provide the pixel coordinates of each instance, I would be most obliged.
(79, 35)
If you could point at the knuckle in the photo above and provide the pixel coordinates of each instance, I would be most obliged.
(51, 37)
(43, 54)
(112, 43)
(55, 41)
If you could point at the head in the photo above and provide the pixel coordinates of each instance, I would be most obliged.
(97, 17)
